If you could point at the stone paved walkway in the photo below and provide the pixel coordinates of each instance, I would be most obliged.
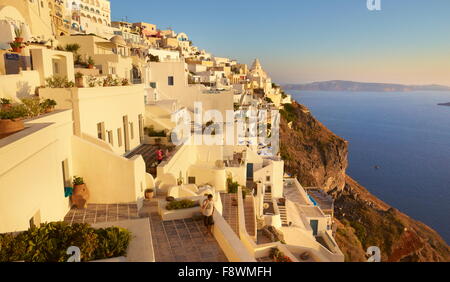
(181, 240)
(96, 213)
(230, 210)
(173, 241)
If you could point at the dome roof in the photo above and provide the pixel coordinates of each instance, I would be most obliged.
(117, 39)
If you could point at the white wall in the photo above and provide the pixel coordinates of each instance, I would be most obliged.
(31, 177)
(110, 178)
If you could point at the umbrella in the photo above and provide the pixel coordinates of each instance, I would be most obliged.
(26, 33)
(6, 32)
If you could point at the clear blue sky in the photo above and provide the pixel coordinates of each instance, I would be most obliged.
(408, 41)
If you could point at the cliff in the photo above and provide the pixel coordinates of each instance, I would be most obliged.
(317, 157)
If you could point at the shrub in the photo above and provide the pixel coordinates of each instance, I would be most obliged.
(48, 104)
(5, 101)
(72, 48)
(232, 186)
(15, 112)
(90, 61)
(278, 256)
(58, 82)
(78, 180)
(181, 204)
(110, 81)
(151, 132)
(50, 242)
(32, 106)
(125, 82)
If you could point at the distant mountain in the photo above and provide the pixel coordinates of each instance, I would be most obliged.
(342, 85)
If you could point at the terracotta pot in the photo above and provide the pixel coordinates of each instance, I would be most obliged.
(10, 126)
(6, 107)
(90, 67)
(17, 49)
(48, 110)
(80, 196)
(19, 39)
(149, 195)
(79, 82)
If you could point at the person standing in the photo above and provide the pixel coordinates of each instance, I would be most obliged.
(159, 155)
(208, 212)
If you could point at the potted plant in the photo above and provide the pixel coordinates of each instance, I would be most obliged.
(80, 193)
(11, 120)
(149, 193)
(48, 105)
(5, 104)
(90, 63)
(18, 32)
(16, 47)
(79, 79)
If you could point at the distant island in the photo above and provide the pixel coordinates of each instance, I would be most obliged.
(444, 104)
(342, 85)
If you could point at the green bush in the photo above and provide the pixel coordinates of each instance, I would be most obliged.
(232, 186)
(181, 204)
(50, 242)
(59, 82)
(78, 180)
(17, 111)
(151, 132)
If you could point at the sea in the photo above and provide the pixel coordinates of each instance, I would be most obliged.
(399, 147)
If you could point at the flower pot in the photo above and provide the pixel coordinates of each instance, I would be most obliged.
(149, 194)
(80, 196)
(48, 110)
(79, 82)
(10, 126)
(17, 49)
(6, 107)
(19, 39)
(90, 67)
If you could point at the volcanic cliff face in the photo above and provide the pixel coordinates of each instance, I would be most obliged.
(311, 152)
(317, 157)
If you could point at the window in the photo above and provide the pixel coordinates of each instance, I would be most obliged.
(132, 130)
(268, 178)
(170, 81)
(101, 131)
(191, 180)
(119, 137)
(141, 127)
(110, 137)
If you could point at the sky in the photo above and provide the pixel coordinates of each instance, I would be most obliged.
(300, 41)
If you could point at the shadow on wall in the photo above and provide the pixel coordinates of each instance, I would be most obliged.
(23, 90)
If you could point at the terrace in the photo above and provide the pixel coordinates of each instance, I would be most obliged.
(173, 241)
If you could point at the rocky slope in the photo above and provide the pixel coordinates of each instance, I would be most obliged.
(317, 157)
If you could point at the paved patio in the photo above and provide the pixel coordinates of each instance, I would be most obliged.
(181, 240)
(97, 213)
(173, 241)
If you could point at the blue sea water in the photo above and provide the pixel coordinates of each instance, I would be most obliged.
(406, 134)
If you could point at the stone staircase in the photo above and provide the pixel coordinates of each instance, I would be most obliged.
(267, 197)
(283, 215)
(250, 217)
(148, 153)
